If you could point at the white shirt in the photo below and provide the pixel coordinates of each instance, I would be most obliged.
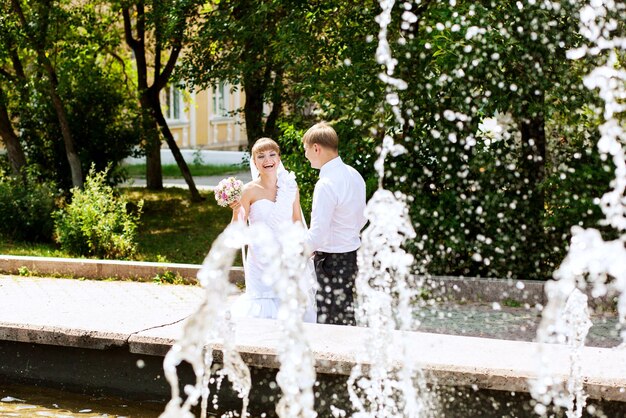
(338, 209)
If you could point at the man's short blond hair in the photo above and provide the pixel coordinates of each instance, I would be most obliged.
(264, 144)
(322, 134)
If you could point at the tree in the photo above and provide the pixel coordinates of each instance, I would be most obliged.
(17, 158)
(481, 205)
(164, 24)
(12, 78)
(247, 43)
(34, 25)
(81, 45)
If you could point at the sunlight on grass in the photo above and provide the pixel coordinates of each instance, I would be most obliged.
(175, 229)
(32, 249)
(172, 228)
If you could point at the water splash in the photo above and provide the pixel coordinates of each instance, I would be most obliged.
(565, 321)
(590, 259)
(385, 382)
(296, 376)
(210, 327)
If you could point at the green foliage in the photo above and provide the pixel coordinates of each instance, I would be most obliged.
(168, 277)
(24, 271)
(173, 229)
(96, 222)
(103, 120)
(26, 207)
(482, 204)
(89, 74)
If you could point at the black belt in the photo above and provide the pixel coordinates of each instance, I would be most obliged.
(324, 254)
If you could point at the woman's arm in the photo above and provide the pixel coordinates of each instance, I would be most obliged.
(243, 205)
(297, 210)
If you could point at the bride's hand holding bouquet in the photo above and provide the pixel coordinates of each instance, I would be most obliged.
(228, 192)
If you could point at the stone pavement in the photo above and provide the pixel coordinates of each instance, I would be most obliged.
(146, 318)
(65, 299)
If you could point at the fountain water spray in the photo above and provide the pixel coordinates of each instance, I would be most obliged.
(210, 327)
(385, 381)
(591, 259)
(296, 376)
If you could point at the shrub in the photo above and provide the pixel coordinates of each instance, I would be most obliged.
(26, 208)
(96, 222)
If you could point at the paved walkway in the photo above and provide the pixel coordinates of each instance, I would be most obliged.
(147, 318)
(202, 182)
(132, 306)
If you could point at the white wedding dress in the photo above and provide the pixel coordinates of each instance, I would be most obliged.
(259, 299)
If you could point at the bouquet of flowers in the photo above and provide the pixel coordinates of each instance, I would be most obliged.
(228, 191)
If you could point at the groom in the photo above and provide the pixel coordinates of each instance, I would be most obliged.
(336, 220)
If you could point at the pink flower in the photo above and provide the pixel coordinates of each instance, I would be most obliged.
(228, 191)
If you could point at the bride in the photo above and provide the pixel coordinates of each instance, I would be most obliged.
(271, 198)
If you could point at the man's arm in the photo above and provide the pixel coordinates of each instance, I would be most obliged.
(324, 203)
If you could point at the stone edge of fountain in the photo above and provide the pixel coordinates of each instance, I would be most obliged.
(446, 359)
(449, 288)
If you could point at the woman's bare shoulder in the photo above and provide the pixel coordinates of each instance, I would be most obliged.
(251, 188)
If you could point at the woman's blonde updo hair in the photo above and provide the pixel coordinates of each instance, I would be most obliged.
(264, 144)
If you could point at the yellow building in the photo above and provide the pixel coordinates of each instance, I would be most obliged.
(206, 119)
(203, 120)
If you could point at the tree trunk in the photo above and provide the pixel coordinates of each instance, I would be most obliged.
(68, 140)
(154, 175)
(57, 103)
(253, 109)
(532, 168)
(152, 145)
(178, 156)
(17, 158)
(271, 129)
(534, 158)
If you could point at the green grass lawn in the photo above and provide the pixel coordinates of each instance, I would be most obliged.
(172, 228)
(172, 171)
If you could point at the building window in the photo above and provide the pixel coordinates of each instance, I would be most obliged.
(220, 100)
(173, 103)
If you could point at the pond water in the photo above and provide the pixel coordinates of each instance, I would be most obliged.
(32, 401)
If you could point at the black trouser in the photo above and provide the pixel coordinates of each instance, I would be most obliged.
(336, 273)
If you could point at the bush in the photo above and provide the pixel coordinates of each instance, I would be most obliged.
(26, 208)
(103, 119)
(96, 222)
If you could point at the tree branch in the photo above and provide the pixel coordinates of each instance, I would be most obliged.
(17, 8)
(17, 63)
(128, 30)
(164, 77)
(121, 61)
